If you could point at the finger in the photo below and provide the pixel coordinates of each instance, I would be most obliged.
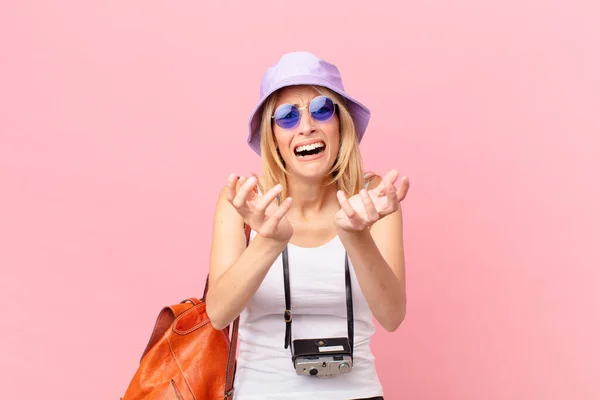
(372, 213)
(253, 191)
(231, 187)
(267, 198)
(389, 178)
(241, 180)
(403, 189)
(271, 224)
(392, 200)
(244, 192)
(347, 207)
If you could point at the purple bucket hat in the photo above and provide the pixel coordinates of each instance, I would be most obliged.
(303, 68)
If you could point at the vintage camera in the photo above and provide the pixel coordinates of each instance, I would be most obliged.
(322, 357)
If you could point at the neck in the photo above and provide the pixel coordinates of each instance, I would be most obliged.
(310, 196)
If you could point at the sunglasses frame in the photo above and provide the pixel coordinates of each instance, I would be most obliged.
(335, 105)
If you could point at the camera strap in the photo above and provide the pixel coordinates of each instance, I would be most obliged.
(287, 315)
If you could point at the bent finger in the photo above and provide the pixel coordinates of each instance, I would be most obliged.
(240, 182)
(267, 198)
(392, 200)
(231, 187)
(372, 213)
(244, 192)
(271, 224)
(389, 178)
(347, 207)
(403, 189)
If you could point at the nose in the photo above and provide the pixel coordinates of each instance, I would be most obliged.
(307, 124)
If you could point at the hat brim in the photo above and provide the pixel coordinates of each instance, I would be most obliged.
(359, 112)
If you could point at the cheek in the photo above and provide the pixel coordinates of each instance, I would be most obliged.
(282, 141)
(332, 129)
(333, 136)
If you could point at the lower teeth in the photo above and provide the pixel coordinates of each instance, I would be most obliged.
(306, 154)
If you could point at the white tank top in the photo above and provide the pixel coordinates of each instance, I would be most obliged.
(318, 300)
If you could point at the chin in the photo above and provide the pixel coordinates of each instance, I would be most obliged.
(316, 175)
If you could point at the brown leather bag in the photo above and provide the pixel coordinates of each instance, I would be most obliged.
(186, 357)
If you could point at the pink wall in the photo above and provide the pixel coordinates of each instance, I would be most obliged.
(112, 115)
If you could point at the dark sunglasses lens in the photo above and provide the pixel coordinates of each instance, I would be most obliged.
(322, 108)
(287, 116)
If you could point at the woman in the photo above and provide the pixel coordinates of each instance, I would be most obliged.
(311, 208)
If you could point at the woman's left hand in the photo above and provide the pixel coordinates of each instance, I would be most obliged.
(362, 210)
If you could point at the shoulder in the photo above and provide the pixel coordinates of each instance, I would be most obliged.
(225, 214)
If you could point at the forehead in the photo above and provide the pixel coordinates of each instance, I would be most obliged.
(299, 95)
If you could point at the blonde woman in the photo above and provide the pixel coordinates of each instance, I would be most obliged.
(326, 249)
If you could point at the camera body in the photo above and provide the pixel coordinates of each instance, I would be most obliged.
(324, 357)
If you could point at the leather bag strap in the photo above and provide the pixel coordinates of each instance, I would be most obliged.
(231, 358)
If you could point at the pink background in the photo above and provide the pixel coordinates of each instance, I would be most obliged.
(113, 115)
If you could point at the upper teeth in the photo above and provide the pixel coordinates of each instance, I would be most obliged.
(312, 146)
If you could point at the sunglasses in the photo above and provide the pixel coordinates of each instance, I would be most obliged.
(287, 116)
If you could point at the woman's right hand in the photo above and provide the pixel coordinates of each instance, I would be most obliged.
(259, 211)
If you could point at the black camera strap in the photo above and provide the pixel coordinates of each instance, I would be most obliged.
(287, 315)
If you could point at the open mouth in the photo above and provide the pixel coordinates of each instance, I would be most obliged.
(309, 149)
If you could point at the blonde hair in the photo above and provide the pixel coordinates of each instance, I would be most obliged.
(346, 172)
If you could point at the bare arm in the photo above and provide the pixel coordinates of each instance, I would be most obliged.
(378, 258)
(236, 272)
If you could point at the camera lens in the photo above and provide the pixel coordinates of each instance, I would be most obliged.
(314, 371)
